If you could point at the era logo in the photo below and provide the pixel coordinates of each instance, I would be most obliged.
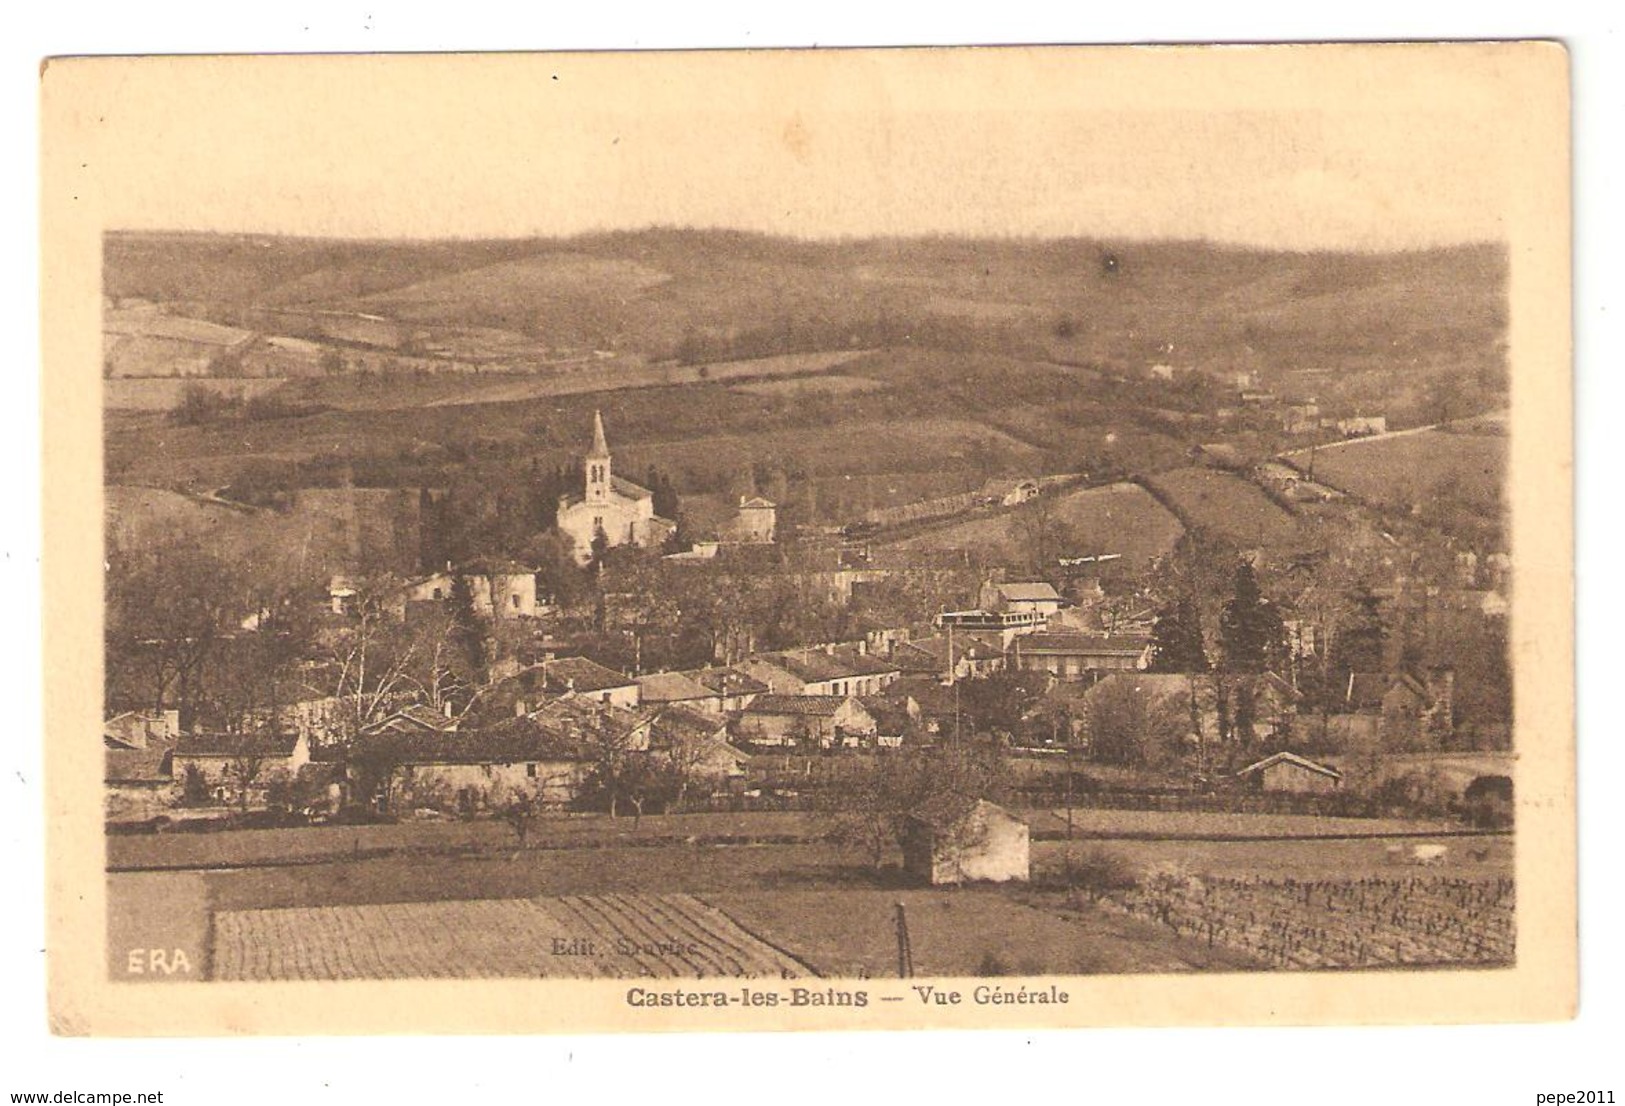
(158, 961)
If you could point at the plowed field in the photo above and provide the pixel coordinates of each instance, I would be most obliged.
(574, 936)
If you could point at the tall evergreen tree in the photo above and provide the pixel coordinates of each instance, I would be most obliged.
(1250, 630)
(467, 628)
(1361, 643)
(1176, 638)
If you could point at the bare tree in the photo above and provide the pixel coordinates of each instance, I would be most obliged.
(374, 657)
(170, 611)
(871, 808)
(243, 770)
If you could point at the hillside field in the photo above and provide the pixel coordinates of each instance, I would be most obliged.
(1402, 471)
(1118, 518)
(658, 292)
(1225, 504)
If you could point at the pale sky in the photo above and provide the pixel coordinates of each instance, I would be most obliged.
(1286, 147)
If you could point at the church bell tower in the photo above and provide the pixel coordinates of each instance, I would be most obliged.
(598, 463)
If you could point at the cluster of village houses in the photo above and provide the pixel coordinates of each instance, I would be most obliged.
(542, 731)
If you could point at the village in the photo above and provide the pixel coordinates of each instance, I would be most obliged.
(944, 716)
(477, 698)
(1129, 641)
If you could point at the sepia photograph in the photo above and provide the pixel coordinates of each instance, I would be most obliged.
(851, 531)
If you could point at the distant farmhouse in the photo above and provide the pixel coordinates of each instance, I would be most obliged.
(497, 591)
(619, 511)
(757, 520)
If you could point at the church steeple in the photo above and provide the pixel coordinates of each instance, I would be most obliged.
(598, 463)
(600, 447)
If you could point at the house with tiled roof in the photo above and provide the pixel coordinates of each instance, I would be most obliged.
(415, 718)
(960, 656)
(928, 701)
(736, 689)
(896, 717)
(1034, 597)
(497, 589)
(544, 755)
(240, 767)
(696, 747)
(137, 782)
(756, 520)
(1415, 710)
(140, 729)
(669, 689)
(1077, 656)
(831, 670)
(806, 721)
(588, 679)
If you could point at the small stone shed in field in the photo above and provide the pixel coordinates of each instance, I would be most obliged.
(1291, 773)
(960, 839)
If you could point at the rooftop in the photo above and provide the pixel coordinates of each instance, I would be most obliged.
(817, 706)
(672, 687)
(1095, 645)
(726, 681)
(817, 666)
(581, 674)
(1293, 759)
(236, 745)
(137, 766)
(950, 809)
(1028, 593)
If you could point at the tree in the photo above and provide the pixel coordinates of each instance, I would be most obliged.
(557, 572)
(1176, 638)
(372, 767)
(436, 666)
(997, 704)
(1042, 536)
(870, 808)
(1199, 571)
(467, 629)
(600, 548)
(1361, 644)
(1251, 634)
(518, 812)
(666, 504)
(201, 404)
(1132, 727)
(171, 609)
(243, 770)
(194, 787)
(614, 752)
(374, 656)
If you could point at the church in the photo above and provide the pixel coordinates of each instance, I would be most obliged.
(623, 512)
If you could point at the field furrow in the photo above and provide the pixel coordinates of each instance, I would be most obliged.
(572, 936)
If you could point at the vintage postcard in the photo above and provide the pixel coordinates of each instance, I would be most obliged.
(808, 539)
